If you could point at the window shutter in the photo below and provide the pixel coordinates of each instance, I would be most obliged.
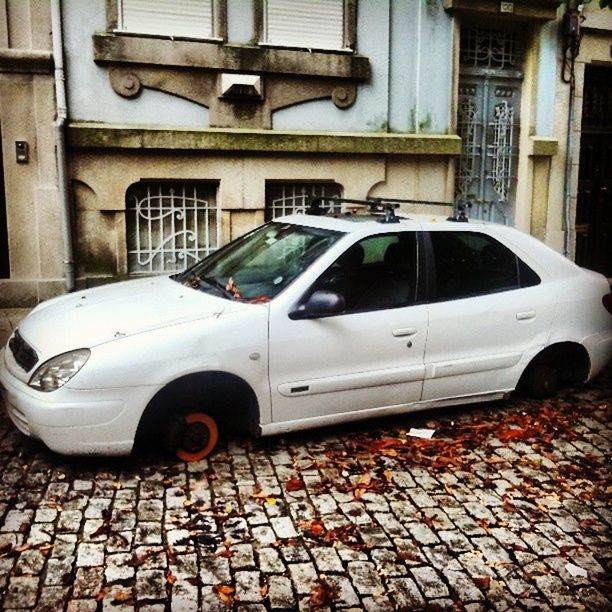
(189, 18)
(316, 24)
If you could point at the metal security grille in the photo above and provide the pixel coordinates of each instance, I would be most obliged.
(290, 198)
(170, 225)
(488, 123)
(489, 48)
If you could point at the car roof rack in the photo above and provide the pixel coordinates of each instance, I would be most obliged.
(386, 206)
(376, 206)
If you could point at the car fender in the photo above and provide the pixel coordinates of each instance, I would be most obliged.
(232, 343)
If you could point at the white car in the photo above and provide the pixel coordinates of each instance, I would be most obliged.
(309, 320)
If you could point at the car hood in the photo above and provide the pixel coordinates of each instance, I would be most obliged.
(95, 316)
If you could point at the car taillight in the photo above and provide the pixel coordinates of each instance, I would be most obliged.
(607, 302)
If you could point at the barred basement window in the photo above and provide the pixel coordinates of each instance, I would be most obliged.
(292, 197)
(170, 225)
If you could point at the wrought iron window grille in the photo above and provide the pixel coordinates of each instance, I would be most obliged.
(170, 226)
(292, 197)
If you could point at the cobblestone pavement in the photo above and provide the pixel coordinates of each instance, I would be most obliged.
(507, 507)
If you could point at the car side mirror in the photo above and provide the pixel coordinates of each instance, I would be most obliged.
(320, 304)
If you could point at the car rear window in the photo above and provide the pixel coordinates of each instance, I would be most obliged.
(467, 264)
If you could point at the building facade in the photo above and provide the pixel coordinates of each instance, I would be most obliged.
(190, 123)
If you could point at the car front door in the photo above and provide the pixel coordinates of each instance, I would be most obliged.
(488, 311)
(370, 356)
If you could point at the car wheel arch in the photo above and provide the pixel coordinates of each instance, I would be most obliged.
(226, 397)
(569, 359)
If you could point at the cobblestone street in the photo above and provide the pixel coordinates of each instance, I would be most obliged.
(507, 507)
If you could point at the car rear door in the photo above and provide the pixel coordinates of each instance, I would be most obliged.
(369, 357)
(488, 311)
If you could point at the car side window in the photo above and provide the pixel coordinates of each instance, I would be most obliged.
(376, 273)
(467, 264)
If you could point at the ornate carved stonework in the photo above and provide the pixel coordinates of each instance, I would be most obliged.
(193, 71)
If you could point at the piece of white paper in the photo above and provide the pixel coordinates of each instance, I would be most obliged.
(421, 433)
(575, 570)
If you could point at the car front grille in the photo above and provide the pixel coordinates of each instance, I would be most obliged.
(23, 353)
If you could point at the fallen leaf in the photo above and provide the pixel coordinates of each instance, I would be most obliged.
(482, 582)
(322, 593)
(138, 560)
(294, 484)
(170, 577)
(100, 595)
(122, 596)
(314, 528)
(225, 593)
(103, 529)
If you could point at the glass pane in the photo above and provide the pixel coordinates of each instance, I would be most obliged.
(469, 264)
(377, 273)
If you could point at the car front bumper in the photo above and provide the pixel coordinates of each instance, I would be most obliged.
(71, 421)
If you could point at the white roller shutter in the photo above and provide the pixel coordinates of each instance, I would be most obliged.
(189, 18)
(311, 24)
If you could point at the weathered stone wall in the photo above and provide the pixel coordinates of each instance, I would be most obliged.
(27, 110)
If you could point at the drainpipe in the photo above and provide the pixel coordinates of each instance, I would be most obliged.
(571, 35)
(569, 161)
(60, 142)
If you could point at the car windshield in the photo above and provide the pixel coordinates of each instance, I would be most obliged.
(259, 265)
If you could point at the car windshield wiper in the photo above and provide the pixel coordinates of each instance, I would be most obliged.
(213, 282)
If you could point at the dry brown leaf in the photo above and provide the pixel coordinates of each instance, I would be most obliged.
(294, 484)
(122, 596)
(482, 582)
(225, 593)
(322, 593)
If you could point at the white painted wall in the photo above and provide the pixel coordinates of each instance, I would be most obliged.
(90, 95)
(408, 43)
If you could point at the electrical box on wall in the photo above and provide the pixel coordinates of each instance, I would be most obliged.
(22, 152)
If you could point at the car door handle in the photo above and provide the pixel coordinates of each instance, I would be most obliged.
(404, 331)
(526, 315)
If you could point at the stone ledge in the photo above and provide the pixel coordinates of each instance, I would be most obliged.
(521, 9)
(102, 136)
(164, 53)
(26, 61)
(540, 146)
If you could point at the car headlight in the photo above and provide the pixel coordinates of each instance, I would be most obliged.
(56, 372)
